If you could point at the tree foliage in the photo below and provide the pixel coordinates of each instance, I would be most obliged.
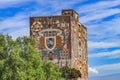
(70, 73)
(20, 60)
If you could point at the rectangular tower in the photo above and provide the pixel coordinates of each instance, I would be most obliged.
(62, 39)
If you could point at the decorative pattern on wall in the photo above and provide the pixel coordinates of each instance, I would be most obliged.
(53, 37)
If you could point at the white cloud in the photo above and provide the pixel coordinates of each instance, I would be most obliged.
(104, 32)
(52, 4)
(115, 66)
(111, 25)
(56, 6)
(100, 14)
(92, 70)
(12, 3)
(98, 10)
(17, 25)
(20, 32)
(16, 21)
(101, 5)
(94, 45)
(106, 69)
(112, 54)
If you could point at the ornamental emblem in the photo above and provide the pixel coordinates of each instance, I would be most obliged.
(50, 39)
(50, 42)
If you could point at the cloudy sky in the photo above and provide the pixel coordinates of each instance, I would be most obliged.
(101, 17)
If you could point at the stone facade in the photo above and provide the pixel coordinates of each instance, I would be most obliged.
(62, 39)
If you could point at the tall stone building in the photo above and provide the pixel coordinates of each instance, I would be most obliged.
(62, 39)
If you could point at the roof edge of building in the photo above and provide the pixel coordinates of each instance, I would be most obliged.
(48, 16)
(82, 25)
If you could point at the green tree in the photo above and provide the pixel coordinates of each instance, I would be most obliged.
(70, 73)
(20, 60)
(52, 72)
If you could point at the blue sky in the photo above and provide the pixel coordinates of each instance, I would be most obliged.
(101, 17)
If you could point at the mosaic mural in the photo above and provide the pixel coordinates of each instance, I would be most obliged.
(52, 35)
